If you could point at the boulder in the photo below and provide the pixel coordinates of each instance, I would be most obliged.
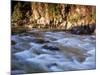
(50, 47)
(40, 41)
(13, 42)
(83, 29)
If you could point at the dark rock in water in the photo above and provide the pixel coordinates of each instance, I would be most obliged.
(40, 41)
(92, 28)
(50, 47)
(75, 30)
(53, 64)
(84, 29)
(13, 42)
(18, 30)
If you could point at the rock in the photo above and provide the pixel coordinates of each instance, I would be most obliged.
(77, 30)
(40, 41)
(18, 30)
(92, 28)
(84, 29)
(50, 47)
(13, 42)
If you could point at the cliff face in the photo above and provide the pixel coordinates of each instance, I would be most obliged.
(52, 16)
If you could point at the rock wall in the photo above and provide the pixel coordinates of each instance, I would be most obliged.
(51, 15)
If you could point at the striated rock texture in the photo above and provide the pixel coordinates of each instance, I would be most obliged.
(30, 15)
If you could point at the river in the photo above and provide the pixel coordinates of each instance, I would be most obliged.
(38, 51)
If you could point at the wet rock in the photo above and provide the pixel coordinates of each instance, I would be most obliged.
(35, 33)
(92, 28)
(13, 42)
(78, 30)
(40, 41)
(18, 30)
(50, 47)
(84, 29)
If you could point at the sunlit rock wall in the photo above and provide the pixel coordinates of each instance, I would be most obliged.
(51, 15)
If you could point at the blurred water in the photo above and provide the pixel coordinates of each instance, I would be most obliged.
(76, 52)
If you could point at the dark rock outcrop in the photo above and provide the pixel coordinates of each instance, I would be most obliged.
(83, 29)
(50, 47)
(13, 42)
(40, 41)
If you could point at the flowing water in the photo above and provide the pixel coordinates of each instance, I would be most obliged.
(37, 51)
